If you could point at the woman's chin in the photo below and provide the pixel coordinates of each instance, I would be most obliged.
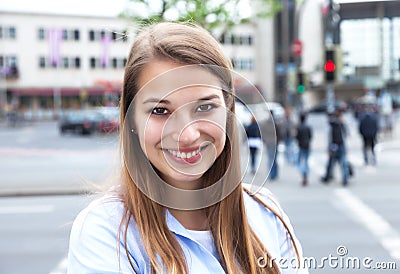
(184, 181)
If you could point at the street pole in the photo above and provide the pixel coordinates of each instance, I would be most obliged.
(330, 98)
(330, 24)
(3, 96)
(298, 59)
(285, 50)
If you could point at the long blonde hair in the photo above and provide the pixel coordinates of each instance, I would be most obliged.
(237, 245)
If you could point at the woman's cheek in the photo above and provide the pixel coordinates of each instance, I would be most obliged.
(152, 131)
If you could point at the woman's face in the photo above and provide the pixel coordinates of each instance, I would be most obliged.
(180, 118)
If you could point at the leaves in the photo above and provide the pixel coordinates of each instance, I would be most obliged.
(213, 15)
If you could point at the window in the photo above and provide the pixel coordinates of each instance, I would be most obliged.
(102, 34)
(119, 36)
(77, 62)
(65, 34)
(93, 62)
(41, 34)
(226, 39)
(1, 61)
(250, 40)
(237, 40)
(250, 64)
(1, 32)
(114, 63)
(124, 62)
(242, 40)
(65, 62)
(91, 35)
(232, 40)
(42, 62)
(76, 35)
(12, 33)
(124, 36)
(12, 61)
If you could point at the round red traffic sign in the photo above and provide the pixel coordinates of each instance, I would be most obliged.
(297, 47)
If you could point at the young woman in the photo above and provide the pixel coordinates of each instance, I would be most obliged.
(179, 206)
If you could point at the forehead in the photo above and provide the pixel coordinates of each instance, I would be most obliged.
(163, 79)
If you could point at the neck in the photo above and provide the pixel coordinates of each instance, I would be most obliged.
(191, 219)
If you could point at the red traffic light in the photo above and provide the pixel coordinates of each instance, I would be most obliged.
(329, 66)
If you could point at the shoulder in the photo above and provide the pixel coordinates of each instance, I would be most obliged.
(105, 212)
(263, 199)
(96, 242)
(265, 216)
(272, 225)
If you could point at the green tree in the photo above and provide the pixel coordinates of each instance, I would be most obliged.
(215, 15)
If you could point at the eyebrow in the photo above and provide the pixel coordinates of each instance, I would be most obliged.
(163, 101)
(156, 100)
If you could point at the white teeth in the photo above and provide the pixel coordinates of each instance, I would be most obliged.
(184, 155)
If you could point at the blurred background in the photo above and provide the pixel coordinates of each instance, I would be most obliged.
(61, 71)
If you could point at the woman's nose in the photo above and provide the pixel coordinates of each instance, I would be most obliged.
(186, 134)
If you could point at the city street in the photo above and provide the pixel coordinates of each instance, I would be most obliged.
(356, 224)
(80, 65)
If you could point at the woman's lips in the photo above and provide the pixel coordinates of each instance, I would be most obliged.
(185, 155)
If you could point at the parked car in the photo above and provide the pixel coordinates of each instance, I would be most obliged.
(243, 114)
(109, 119)
(322, 106)
(259, 110)
(81, 122)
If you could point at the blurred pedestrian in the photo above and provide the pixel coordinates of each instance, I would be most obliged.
(289, 131)
(178, 205)
(337, 148)
(272, 135)
(369, 129)
(254, 141)
(303, 136)
(385, 103)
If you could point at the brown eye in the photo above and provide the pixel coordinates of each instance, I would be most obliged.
(205, 107)
(159, 111)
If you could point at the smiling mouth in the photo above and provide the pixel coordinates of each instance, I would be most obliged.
(184, 155)
(187, 156)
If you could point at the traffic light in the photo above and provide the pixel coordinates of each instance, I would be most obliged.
(329, 65)
(300, 82)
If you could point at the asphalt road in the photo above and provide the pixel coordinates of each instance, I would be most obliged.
(338, 227)
(34, 233)
(38, 159)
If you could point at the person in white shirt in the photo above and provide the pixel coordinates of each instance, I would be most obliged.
(179, 205)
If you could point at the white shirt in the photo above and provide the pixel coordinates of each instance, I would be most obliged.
(93, 240)
(205, 239)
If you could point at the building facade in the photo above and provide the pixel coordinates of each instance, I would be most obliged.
(50, 63)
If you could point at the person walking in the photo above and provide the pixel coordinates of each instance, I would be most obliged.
(303, 137)
(254, 142)
(272, 135)
(337, 148)
(368, 129)
(289, 137)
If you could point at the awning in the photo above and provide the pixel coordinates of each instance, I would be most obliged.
(63, 91)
